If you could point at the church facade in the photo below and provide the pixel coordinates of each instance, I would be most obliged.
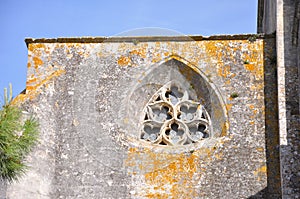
(167, 116)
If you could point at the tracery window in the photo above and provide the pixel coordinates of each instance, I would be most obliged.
(172, 118)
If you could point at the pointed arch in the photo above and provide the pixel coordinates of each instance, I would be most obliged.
(201, 90)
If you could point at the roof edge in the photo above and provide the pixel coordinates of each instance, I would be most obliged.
(147, 38)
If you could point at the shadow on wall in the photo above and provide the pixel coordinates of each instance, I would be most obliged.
(273, 189)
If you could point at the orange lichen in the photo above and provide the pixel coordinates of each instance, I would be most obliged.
(212, 49)
(169, 175)
(228, 82)
(228, 106)
(256, 87)
(251, 106)
(224, 71)
(255, 59)
(261, 172)
(33, 46)
(219, 156)
(31, 80)
(157, 57)
(19, 99)
(32, 89)
(141, 52)
(254, 110)
(37, 62)
(166, 54)
(225, 128)
(43, 81)
(250, 67)
(260, 149)
(124, 61)
(157, 195)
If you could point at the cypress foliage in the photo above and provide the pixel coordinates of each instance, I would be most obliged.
(17, 137)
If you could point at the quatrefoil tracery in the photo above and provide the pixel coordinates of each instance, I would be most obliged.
(172, 118)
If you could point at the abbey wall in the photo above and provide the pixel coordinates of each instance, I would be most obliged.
(152, 117)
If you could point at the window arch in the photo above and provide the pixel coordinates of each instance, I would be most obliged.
(152, 120)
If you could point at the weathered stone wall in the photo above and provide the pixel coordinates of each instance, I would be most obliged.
(290, 152)
(266, 16)
(286, 23)
(89, 96)
(3, 188)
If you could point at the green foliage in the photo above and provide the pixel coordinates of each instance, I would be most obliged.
(246, 62)
(234, 95)
(17, 137)
(135, 42)
(252, 38)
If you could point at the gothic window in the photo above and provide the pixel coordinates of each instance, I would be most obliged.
(172, 118)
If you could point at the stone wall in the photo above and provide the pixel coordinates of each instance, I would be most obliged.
(290, 152)
(90, 94)
(286, 23)
(266, 16)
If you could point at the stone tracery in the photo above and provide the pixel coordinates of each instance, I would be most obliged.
(172, 118)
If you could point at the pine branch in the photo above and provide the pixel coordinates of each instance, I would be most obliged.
(16, 139)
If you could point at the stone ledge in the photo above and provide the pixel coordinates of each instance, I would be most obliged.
(147, 38)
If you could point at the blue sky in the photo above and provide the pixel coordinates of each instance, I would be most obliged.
(20, 19)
